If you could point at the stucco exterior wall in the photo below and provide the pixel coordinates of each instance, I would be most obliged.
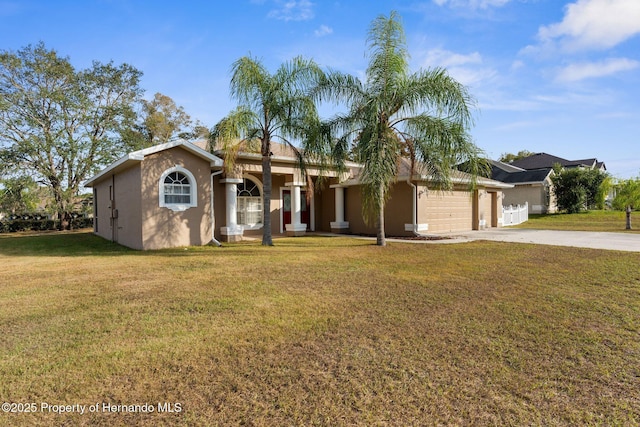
(162, 227)
(118, 208)
(102, 209)
(397, 211)
(325, 205)
(128, 202)
(534, 194)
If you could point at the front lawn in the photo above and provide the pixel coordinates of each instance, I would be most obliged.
(318, 331)
(613, 221)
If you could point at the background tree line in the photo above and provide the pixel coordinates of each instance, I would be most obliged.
(59, 125)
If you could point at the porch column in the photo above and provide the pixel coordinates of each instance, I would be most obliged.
(296, 228)
(339, 225)
(232, 232)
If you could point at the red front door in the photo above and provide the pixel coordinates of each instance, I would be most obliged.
(286, 208)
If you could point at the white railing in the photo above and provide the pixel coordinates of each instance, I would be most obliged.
(513, 215)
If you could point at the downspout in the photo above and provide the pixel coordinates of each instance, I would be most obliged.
(414, 211)
(213, 216)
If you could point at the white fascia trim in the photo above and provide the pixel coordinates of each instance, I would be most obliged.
(134, 157)
(138, 156)
(214, 161)
(457, 180)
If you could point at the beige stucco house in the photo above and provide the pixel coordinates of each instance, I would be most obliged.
(177, 194)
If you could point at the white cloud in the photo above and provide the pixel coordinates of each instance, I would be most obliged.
(471, 77)
(463, 68)
(472, 4)
(301, 10)
(445, 58)
(594, 24)
(323, 31)
(585, 70)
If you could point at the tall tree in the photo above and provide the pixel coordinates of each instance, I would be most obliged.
(18, 195)
(160, 120)
(395, 113)
(271, 107)
(510, 157)
(59, 124)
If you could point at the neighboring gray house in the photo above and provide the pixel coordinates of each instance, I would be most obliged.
(531, 177)
(530, 186)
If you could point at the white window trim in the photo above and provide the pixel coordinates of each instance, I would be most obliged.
(257, 182)
(178, 207)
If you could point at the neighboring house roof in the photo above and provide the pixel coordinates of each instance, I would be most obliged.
(506, 167)
(138, 156)
(505, 172)
(521, 177)
(544, 160)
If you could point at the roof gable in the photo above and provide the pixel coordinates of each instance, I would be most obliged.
(135, 157)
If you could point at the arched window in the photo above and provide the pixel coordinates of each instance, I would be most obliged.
(178, 189)
(249, 204)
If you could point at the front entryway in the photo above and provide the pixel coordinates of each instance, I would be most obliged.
(286, 208)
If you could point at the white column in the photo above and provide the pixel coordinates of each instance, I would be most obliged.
(339, 224)
(295, 205)
(232, 230)
(296, 228)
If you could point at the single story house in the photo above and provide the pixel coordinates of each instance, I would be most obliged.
(177, 194)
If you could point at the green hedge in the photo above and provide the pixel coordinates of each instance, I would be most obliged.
(12, 226)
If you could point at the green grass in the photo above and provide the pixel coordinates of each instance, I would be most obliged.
(611, 221)
(321, 331)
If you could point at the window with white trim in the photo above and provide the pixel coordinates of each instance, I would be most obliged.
(249, 204)
(178, 189)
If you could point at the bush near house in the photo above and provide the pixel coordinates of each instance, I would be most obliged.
(42, 224)
(579, 189)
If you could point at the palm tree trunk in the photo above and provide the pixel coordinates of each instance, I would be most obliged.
(266, 200)
(381, 240)
(628, 218)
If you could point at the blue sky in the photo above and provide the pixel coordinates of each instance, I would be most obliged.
(561, 77)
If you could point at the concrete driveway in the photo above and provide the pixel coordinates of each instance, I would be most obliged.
(581, 239)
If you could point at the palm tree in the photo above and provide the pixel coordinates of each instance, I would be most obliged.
(423, 116)
(271, 107)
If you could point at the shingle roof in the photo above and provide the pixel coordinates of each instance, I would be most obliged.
(539, 161)
(520, 177)
(544, 160)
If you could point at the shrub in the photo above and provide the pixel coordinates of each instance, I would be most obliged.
(578, 189)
